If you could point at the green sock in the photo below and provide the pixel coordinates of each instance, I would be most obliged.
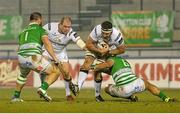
(44, 85)
(162, 95)
(17, 94)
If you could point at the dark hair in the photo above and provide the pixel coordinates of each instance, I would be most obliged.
(106, 26)
(35, 16)
(65, 18)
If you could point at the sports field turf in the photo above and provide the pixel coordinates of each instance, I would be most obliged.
(85, 102)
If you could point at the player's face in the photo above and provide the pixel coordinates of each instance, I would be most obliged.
(106, 35)
(65, 27)
(40, 21)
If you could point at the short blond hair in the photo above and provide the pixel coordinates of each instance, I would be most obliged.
(65, 18)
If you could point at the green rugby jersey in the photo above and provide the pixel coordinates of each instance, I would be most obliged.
(121, 71)
(30, 42)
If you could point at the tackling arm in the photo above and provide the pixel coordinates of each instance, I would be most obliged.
(119, 50)
(104, 66)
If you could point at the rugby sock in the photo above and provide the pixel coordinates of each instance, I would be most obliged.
(44, 85)
(97, 86)
(42, 77)
(162, 95)
(17, 94)
(82, 77)
(67, 88)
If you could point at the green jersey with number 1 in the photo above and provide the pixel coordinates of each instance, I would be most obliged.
(121, 71)
(30, 42)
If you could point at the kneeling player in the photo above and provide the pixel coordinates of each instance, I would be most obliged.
(126, 82)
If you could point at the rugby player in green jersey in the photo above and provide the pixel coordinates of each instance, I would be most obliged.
(126, 82)
(31, 40)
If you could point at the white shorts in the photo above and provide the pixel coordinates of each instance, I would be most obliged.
(62, 56)
(36, 62)
(127, 90)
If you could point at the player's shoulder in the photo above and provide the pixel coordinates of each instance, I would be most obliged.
(116, 33)
(97, 30)
(72, 34)
(51, 26)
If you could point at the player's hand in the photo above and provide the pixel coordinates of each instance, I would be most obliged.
(103, 48)
(56, 62)
(103, 51)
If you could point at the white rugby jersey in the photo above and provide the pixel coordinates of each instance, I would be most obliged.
(115, 40)
(59, 40)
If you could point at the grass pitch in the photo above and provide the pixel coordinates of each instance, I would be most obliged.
(85, 102)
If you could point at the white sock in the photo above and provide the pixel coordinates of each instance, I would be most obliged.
(82, 77)
(67, 88)
(97, 86)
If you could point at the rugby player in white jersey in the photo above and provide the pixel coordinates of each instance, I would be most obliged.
(61, 34)
(106, 33)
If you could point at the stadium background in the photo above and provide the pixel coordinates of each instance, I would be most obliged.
(160, 65)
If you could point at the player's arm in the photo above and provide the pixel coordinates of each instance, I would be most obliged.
(81, 44)
(119, 50)
(104, 66)
(48, 47)
(119, 43)
(77, 39)
(91, 46)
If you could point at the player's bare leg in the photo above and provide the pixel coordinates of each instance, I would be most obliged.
(52, 75)
(21, 80)
(156, 91)
(67, 75)
(67, 78)
(84, 70)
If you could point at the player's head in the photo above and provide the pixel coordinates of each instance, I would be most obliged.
(36, 17)
(106, 28)
(65, 24)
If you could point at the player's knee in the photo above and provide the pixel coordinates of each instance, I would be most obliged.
(98, 77)
(21, 79)
(68, 79)
(84, 69)
(87, 63)
(107, 89)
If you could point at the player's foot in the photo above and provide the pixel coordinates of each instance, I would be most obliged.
(133, 98)
(74, 88)
(99, 99)
(168, 99)
(69, 98)
(15, 99)
(43, 94)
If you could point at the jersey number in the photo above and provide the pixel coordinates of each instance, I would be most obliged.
(125, 63)
(26, 36)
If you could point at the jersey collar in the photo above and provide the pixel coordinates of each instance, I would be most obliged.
(33, 23)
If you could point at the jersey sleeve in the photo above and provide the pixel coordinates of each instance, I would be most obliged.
(95, 33)
(118, 37)
(46, 27)
(74, 36)
(43, 32)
